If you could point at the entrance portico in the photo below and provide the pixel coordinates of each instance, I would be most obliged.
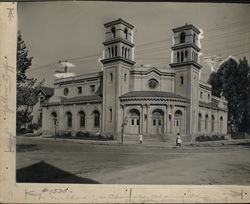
(154, 115)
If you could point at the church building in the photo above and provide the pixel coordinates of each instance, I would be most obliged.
(152, 101)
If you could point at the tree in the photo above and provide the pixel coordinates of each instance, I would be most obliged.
(25, 86)
(232, 81)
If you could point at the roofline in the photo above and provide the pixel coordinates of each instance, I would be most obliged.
(117, 40)
(185, 45)
(119, 20)
(186, 27)
(173, 65)
(118, 58)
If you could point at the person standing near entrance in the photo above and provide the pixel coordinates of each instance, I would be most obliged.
(140, 138)
(178, 140)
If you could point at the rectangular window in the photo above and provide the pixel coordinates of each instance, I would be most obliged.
(79, 90)
(92, 88)
(201, 95)
(182, 80)
(110, 114)
(132, 121)
(111, 76)
(138, 122)
(159, 122)
(154, 122)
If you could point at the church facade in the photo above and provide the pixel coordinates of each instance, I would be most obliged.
(160, 102)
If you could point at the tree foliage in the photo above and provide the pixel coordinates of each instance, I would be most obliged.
(232, 81)
(25, 86)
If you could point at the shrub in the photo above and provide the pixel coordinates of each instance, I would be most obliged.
(22, 130)
(222, 137)
(66, 134)
(214, 137)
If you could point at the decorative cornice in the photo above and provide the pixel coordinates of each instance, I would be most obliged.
(173, 65)
(133, 72)
(186, 27)
(117, 40)
(71, 103)
(205, 87)
(185, 45)
(211, 106)
(118, 58)
(163, 99)
(119, 21)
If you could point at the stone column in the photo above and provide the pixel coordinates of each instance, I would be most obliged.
(141, 119)
(75, 124)
(165, 121)
(172, 119)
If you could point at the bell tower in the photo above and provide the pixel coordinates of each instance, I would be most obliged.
(185, 52)
(117, 64)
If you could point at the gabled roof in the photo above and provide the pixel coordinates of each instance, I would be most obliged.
(47, 91)
(151, 94)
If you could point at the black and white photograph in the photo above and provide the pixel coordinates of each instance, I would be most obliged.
(145, 93)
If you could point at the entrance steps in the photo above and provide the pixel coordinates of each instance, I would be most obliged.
(150, 139)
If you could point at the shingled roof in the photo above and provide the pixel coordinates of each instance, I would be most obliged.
(151, 94)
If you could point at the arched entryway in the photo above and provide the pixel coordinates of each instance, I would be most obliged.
(178, 122)
(134, 121)
(221, 124)
(157, 122)
(54, 122)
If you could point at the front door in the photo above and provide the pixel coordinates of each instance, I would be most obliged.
(177, 125)
(134, 125)
(157, 122)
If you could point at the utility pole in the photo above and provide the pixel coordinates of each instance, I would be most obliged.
(125, 121)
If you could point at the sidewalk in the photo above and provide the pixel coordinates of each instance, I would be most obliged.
(145, 143)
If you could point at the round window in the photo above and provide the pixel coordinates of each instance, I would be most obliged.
(152, 83)
(66, 91)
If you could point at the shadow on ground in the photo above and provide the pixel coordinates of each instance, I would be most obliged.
(26, 147)
(247, 144)
(43, 172)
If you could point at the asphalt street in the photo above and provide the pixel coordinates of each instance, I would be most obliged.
(113, 163)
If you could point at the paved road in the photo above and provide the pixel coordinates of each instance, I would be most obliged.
(139, 164)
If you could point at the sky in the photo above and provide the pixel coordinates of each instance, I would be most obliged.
(73, 30)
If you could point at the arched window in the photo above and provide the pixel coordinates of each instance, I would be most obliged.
(69, 119)
(199, 122)
(194, 38)
(212, 123)
(186, 55)
(178, 57)
(109, 52)
(96, 119)
(122, 51)
(115, 50)
(82, 118)
(112, 50)
(208, 97)
(126, 33)
(206, 122)
(182, 37)
(54, 119)
(125, 52)
(221, 124)
(113, 31)
(182, 56)
(125, 77)
(66, 91)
